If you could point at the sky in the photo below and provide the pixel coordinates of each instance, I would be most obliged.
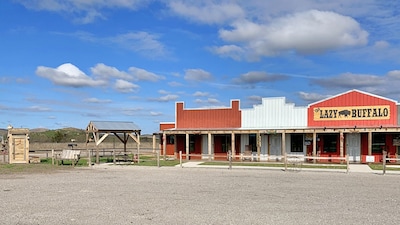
(64, 63)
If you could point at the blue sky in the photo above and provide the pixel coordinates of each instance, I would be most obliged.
(67, 62)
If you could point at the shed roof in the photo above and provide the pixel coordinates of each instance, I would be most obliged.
(113, 126)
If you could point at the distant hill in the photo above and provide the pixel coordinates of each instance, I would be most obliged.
(64, 135)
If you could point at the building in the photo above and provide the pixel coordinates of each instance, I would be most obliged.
(354, 123)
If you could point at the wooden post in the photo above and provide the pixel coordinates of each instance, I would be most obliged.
(187, 146)
(158, 158)
(384, 162)
(347, 163)
(113, 152)
(138, 148)
(283, 150)
(233, 144)
(314, 151)
(370, 143)
(180, 158)
(209, 145)
(285, 161)
(258, 140)
(164, 139)
(52, 157)
(230, 159)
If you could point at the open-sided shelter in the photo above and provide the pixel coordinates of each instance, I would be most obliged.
(100, 130)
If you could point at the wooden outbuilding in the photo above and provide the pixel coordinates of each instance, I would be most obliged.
(18, 145)
(98, 131)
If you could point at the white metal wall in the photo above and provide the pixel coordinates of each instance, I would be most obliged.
(274, 113)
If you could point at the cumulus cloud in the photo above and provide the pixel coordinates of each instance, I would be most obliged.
(141, 74)
(311, 97)
(350, 80)
(197, 75)
(105, 72)
(96, 100)
(200, 11)
(209, 101)
(141, 42)
(82, 11)
(201, 94)
(125, 86)
(68, 75)
(309, 32)
(165, 98)
(254, 77)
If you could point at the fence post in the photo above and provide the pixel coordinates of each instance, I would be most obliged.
(347, 164)
(52, 157)
(285, 155)
(158, 158)
(384, 162)
(180, 158)
(230, 159)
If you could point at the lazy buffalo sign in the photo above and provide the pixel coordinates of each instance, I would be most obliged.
(378, 112)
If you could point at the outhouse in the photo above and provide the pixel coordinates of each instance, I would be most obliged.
(18, 145)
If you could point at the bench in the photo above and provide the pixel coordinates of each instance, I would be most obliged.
(73, 155)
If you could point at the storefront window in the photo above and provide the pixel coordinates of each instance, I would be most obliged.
(296, 143)
(378, 142)
(330, 143)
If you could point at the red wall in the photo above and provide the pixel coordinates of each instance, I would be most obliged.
(208, 118)
(170, 147)
(353, 98)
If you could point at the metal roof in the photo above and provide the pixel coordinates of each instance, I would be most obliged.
(115, 126)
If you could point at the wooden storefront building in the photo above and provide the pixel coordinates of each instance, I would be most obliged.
(354, 123)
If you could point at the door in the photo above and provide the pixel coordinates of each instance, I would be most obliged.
(18, 150)
(276, 143)
(353, 147)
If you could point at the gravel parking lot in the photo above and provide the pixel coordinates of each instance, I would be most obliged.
(150, 195)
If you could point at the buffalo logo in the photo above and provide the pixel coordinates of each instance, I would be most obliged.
(344, 113)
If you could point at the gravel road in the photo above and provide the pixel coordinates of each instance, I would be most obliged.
(150, 195)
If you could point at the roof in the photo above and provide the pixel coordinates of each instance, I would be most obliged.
(114, 126)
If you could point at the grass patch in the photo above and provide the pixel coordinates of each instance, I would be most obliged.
(29, 168)
(379, 166)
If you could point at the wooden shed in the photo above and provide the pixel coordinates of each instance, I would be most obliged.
(18, 145)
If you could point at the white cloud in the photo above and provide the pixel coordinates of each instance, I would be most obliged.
(200, 11)
(311, 97)
(197, 75)
(350, 81)
(309, 32)
(68, 75)
(105, 72)
(141, 42)
(253, 77)
(156, 113)
(125, 86)
(96, 100)
(82, 11)
(165, 98)
(201, 94)
(141, 74)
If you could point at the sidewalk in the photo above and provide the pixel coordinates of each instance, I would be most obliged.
(353, 168)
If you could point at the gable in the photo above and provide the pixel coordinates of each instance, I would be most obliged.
(353, 108)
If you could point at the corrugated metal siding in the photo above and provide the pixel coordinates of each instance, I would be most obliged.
(208, 118)
(274, 113)
(353, 98)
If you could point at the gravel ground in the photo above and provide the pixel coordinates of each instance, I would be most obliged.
(150, 195)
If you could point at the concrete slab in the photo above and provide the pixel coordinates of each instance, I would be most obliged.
(360, 168)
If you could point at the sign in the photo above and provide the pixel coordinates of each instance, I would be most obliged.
(378, 112)
(370, 158)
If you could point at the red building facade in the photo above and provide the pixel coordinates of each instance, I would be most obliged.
(355, 123)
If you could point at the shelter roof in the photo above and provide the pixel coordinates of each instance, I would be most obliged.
(112, 126)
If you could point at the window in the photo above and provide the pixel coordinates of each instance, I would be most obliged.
(170, 139)
(378, 142)
(296, 143)
(330, 143)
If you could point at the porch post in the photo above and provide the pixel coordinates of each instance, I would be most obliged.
(164, 138)
(187, 146)
(209, 145)
(314, 146)
(370, 143)
(233, 145)
(341, 144)
(283, 150)
(258, 139)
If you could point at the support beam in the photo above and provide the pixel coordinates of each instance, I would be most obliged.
(370, 143)
(341, 144)
(233, 145)
(258, 140)
(314, 145)
(209, 142)
(283, 150)
(187, 146)
(164, 140)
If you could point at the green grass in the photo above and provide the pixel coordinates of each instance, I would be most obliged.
(379, 166)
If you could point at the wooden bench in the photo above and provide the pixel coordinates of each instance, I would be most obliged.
(73, 155)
